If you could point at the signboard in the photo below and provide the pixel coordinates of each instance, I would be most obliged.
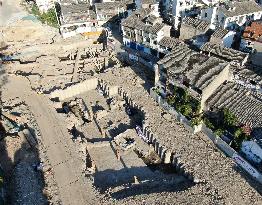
(245, 165)
(133, 57)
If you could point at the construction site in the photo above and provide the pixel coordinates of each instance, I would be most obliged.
(78, 126)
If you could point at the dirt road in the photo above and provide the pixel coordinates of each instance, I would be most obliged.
(65, 161)
(10, 11)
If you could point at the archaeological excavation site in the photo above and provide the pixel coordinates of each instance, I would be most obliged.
(82, 123)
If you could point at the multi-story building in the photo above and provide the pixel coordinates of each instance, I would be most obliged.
(251, 42)
(142, 32)
(232, 15)
(77, 18)
(108, 11)
(175, 10)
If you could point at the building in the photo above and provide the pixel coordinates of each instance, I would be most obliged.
(148, 4)
(251, 42)
(193, 28)
(142, 32)
(227, 54)
(198, 73)
(167, 44)
(175, 10)
(223, 37)
(232, 15)
(242, 101)
(109, 11)
(77, 19)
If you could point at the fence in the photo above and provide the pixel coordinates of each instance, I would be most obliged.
(221, 144)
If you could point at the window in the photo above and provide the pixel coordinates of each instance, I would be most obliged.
(155, 42)
(205, 14)
(222, 19)
(217, 17)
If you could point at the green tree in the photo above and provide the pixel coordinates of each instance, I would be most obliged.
(208, 123)
(186, 110)
(219, 132)
(171, 100)
(229, 118)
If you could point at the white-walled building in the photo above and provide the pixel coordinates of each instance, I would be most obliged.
(142, 32)
(232, 15)
(78, 19)
(44, 5)
(175, 10)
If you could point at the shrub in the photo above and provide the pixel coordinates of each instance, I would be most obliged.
(229, 118)
(209, 124)
(219, 132)
(186, 110)
(196, 121)
(171, 100)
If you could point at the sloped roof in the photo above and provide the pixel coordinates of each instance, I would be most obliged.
(237, 8)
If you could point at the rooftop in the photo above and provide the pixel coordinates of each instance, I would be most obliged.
(138, 20)
(254, 31)
(219, 33)
(76, 13)
(239, 8)
(170, 42)
(227, 54)
(196, 23)
(109, 5)
(198, 68)
(244, 103)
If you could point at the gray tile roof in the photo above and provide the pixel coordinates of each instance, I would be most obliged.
(198, 68)
(170, 42)
(137, 20)
(196, 23)
(245, 104)
(228, 54)
(109, 5)
(219, 33)
(239, 8)
(76, 13)
(149, 1)
(155, 28)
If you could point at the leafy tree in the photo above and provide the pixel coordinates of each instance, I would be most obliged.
(186, 110)
(48, 18)
(229, 118)
(196, 120)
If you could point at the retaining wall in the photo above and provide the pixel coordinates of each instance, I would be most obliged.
(76, 89)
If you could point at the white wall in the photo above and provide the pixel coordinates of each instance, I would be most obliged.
(252, 150)
(228, 39)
